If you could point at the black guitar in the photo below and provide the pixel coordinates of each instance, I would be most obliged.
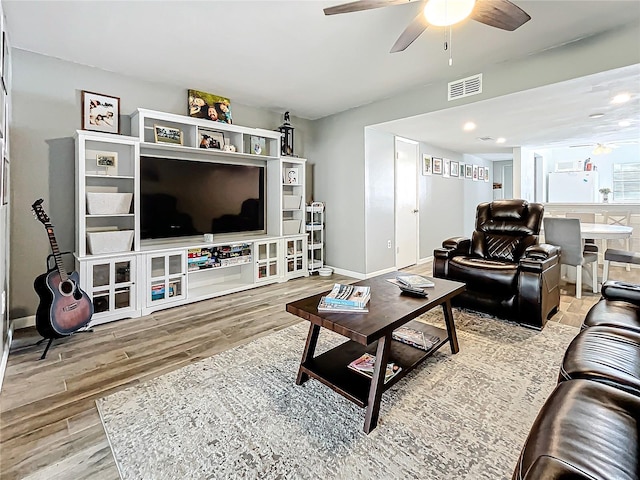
(64, 308)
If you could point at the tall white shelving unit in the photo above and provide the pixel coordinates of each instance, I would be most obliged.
(315, 236)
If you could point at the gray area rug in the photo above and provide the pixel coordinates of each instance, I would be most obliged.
(239, 414)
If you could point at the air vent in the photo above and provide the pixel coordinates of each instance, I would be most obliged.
(465, 87)
(485, 139)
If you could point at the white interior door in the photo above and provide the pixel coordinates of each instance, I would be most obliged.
(406, 187)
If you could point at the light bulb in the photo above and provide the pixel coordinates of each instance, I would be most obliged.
(443, 13)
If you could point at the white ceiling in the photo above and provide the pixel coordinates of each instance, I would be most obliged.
(286, 55)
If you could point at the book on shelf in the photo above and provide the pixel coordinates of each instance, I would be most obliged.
(323, 306)
(351, 295)
(414, 281)
(365, 364)
(415, 338)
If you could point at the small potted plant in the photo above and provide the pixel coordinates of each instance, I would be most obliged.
(605, 194)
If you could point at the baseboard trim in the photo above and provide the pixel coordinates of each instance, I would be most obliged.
(24, 322)
(5, 355)
(380, 272)
(422, 261)
(348, 273)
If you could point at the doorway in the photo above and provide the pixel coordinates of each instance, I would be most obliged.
(406, 202)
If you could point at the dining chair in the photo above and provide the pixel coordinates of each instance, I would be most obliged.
(565, 233)
(584, 217)
(618, 218)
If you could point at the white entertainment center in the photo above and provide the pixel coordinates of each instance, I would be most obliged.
(129, 276)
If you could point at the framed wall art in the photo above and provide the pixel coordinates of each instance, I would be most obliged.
(437, 166)
(468, 171)
(164, 134)
(475, 173)
(481, 174)
(446, 167)
(427, 166)
(100, 113)
(455, 169)
(486, 174)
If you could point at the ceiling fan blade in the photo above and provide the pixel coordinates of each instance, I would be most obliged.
(413, 31)
(500, 14)
(361, 5)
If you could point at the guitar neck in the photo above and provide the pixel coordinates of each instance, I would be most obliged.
(56, 253)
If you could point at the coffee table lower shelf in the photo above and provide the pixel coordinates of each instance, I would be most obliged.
(331, 367)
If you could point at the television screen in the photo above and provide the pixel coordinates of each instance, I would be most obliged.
(185, 198)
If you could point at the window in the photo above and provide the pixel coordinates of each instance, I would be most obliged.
(626, 182)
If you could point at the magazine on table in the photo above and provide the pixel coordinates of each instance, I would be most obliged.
(366, 362)
(351, 295)
(415, 338)
(414, 281)
(323, 306)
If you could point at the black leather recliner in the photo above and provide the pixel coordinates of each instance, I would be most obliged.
(507, 272)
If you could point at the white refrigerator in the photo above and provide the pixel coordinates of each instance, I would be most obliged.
(573, 187)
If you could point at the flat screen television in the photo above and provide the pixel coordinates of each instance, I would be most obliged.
(181, 198)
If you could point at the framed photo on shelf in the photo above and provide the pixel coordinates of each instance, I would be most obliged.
(100, 113)
(468, 171)
(107, 161)
(437, 166)
(211, 139)
(164, 134)
(446, 170)
(291, 176)
(427, 166)
(257, 145)
(455, 169)
(210, 106)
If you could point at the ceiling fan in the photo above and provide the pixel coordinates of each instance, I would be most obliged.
(603, 148)
(495, 13)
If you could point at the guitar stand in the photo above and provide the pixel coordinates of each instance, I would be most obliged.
(44, 354)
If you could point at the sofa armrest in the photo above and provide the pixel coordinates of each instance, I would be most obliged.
(546, 467)
(541, 251)
(626, 292)
(452, 247)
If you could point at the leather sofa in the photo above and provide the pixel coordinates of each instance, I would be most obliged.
(589, 427)
(507, 272)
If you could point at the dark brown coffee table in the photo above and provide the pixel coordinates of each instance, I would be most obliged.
(371, 332)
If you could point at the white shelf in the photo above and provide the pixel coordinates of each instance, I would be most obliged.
(109, 215)
(109, 177)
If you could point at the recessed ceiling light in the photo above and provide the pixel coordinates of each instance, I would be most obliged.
(596, 115)
(501, 140)
(621, 98)
(469, 126)
(624, 123)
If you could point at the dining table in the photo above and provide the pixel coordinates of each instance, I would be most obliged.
(604, 231)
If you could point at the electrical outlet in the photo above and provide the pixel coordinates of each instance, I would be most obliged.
(389, 244)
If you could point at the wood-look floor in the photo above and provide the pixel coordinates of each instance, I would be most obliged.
(49, 424)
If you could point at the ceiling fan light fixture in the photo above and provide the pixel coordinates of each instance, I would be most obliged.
(443, 13)
(601, 149)
(624, 123)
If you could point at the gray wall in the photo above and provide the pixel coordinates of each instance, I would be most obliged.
(46, 113)
(338, 145)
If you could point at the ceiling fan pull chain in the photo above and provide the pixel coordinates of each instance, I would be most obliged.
(451, 47)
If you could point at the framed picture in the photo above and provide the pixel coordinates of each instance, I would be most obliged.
(486, 174)
(207, 105)
(290, 176)
(446, 170)
(164, 134)
(455, 169)
(437, 166)
(257, 145)
(481, 174)
(468, 171)
(475, 173)
(427, 161)
(211, 139)
(107, 162)
(100, 112)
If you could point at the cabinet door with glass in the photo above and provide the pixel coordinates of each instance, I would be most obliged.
(295, 259)
(110, 284)
(166, 278)
(267, 264)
